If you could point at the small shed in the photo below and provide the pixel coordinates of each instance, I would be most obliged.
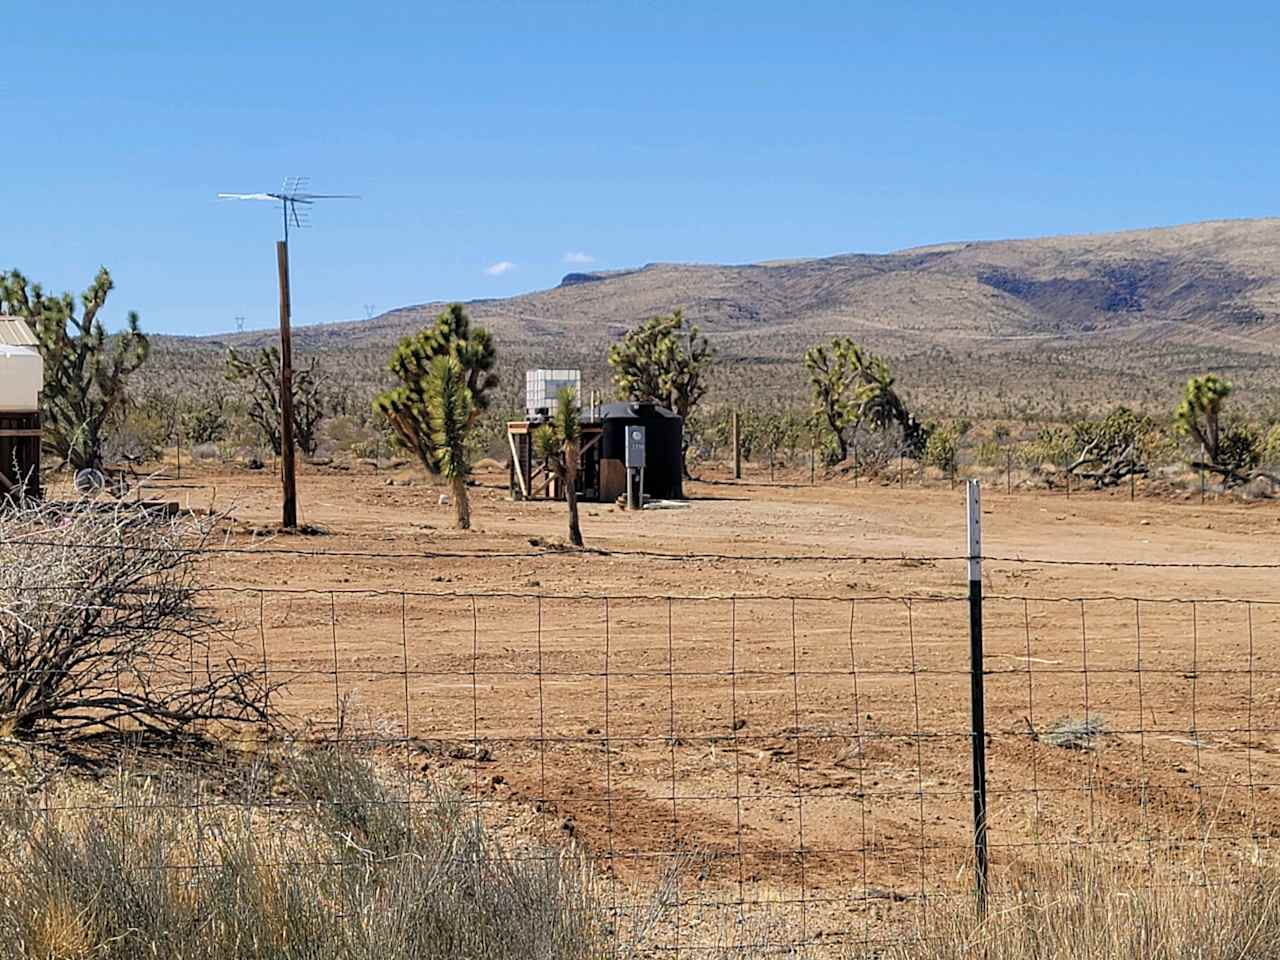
(602, 468)
(21, 377)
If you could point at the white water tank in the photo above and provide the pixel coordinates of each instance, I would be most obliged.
(542, 390)
(21, 374)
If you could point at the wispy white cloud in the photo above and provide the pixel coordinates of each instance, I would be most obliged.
(577, 256)
(499, 268)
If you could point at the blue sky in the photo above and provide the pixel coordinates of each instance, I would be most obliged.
(499, 145)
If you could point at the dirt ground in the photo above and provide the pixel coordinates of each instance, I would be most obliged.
(799, 728)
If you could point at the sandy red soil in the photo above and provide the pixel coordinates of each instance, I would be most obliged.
(800, 726)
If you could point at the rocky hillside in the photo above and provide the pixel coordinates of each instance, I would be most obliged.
(1209, 283)
(1070, 320)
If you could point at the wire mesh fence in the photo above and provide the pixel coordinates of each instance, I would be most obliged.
(783, 771)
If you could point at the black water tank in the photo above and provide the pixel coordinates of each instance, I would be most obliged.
(663, 441)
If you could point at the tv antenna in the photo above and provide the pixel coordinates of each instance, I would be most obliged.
(292, 196)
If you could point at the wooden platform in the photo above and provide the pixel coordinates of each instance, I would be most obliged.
(531, 480)
(19, 454)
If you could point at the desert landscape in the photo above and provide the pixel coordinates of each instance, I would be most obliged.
(546, 480)
(735, 716)
(767, 690)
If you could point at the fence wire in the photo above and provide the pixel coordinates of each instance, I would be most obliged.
(789, 771)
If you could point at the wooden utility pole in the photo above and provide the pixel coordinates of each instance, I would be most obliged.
(289, 197)
(737, 446)
(289, 511)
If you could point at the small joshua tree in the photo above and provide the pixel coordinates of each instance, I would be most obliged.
(835, 378)
(1200, 412)
(558, 443)
(449, 410)
(851, 387)
(259, 374)
(1232, 451)
(406, 407)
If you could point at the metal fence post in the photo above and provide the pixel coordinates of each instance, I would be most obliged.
(977, 708)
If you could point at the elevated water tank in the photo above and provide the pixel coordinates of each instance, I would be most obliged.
(21, 375)
(542, 390)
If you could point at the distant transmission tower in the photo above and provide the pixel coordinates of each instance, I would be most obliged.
(290, 197)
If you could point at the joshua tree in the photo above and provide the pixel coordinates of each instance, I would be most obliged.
(835, 375)
(558, 443)
(1232, 451)
(449, 411)
(664, 361)
(260, 374)
(1200, 412)
(85, 372)
(406, 407)
(1113, 448)
(851, 387)
(883, 408)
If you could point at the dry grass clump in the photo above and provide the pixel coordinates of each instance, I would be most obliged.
(1082, 908)
(310, 855)
(1076, 733)
(328, 863)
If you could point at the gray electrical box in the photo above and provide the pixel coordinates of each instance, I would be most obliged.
(635, 446)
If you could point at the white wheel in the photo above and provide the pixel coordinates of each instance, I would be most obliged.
(90, 481)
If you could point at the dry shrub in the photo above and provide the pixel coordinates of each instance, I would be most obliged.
(103, 627)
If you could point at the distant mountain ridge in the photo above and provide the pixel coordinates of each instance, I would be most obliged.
(1199, 284)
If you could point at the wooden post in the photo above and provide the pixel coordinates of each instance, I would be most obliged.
(813, 467)
(1202, 459)
(737, 445)
(1008, 472)
(289, 509)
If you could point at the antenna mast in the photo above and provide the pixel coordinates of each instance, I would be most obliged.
(290, 197)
